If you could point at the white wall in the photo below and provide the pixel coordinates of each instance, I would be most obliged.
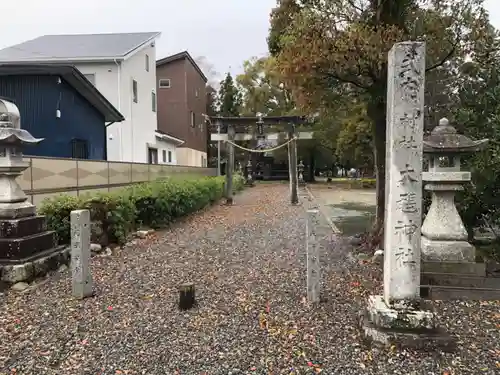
(127, 141)
(166, 146)
(191, 157)
(143, 124)
(106, 76)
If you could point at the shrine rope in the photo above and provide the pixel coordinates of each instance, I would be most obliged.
(262, 151)
(294, 138)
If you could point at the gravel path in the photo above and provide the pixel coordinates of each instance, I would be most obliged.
(247, 262)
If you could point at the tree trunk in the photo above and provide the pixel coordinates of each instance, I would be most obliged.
(377, 114)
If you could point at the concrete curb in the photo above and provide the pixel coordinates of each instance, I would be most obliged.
(327, 218)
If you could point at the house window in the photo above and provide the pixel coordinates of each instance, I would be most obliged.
(79, 149)
(164, 83)
(91, 78)
(170, 156)
(153, 101)
(134, 90)
(164, 156)
(193, 119)
(147, 63)
(152, 156)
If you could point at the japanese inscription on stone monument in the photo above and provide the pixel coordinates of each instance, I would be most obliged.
(405, 101)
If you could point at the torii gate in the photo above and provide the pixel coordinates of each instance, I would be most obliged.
(242, 123)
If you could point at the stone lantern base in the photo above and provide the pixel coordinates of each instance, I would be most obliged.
(403, 327)
(27, 248)
(447, 251)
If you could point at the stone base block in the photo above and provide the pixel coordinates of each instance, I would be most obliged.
(385, 316)
(466, 268)
(22, 227)
(40, 266)
(17, 210)
(413, 328)
(447, 251)
(428, 341)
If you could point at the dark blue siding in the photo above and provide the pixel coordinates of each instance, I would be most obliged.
(38, 98)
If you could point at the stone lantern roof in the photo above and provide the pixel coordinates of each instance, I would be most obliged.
(444, 139)
(10, 126)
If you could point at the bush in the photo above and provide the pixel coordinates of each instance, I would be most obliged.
(153, 204)
(355, 183)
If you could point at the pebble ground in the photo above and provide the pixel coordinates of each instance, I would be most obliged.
(248, 264)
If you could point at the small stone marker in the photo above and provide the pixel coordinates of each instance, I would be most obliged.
(187, 298)
(312, 250)
(80, 254)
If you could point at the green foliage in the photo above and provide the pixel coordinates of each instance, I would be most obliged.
(331, 49)
(262, 89)
(229, 98)
(354, 183)
(153, 205)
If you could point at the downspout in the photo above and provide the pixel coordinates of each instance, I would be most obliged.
(119, 87)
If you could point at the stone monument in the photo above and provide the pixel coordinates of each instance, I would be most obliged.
(27, 249)
(444, 237)
(399, 316)
(313, 255)
(82, 284)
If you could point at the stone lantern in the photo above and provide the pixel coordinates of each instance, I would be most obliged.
(27, 249)
(300, 168)
(248, 174)
(444, 237)
(13, 202)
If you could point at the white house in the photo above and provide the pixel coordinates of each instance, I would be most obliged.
(123, 68)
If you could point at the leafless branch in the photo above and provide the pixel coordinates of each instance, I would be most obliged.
(445, 58)
(350, 80)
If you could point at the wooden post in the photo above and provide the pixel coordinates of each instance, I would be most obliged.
(187, 297)
(292, 166)
(230, 166)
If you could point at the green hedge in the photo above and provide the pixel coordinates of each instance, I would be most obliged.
(153, 205)
(355, 183)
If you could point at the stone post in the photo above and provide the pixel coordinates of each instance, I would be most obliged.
(312, 251)
(230, 165)
(399, 316)
(80, 254)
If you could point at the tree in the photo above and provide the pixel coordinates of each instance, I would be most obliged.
(262, 89)
(229, 99)
(211, 110)
(354, 146)
(341, 46)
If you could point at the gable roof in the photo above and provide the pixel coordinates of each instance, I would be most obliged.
(179, 56)
(74, 78)
(77, 47)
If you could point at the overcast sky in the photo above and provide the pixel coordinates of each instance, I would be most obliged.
(226, 32)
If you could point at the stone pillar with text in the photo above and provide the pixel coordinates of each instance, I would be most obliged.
(399, 316)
